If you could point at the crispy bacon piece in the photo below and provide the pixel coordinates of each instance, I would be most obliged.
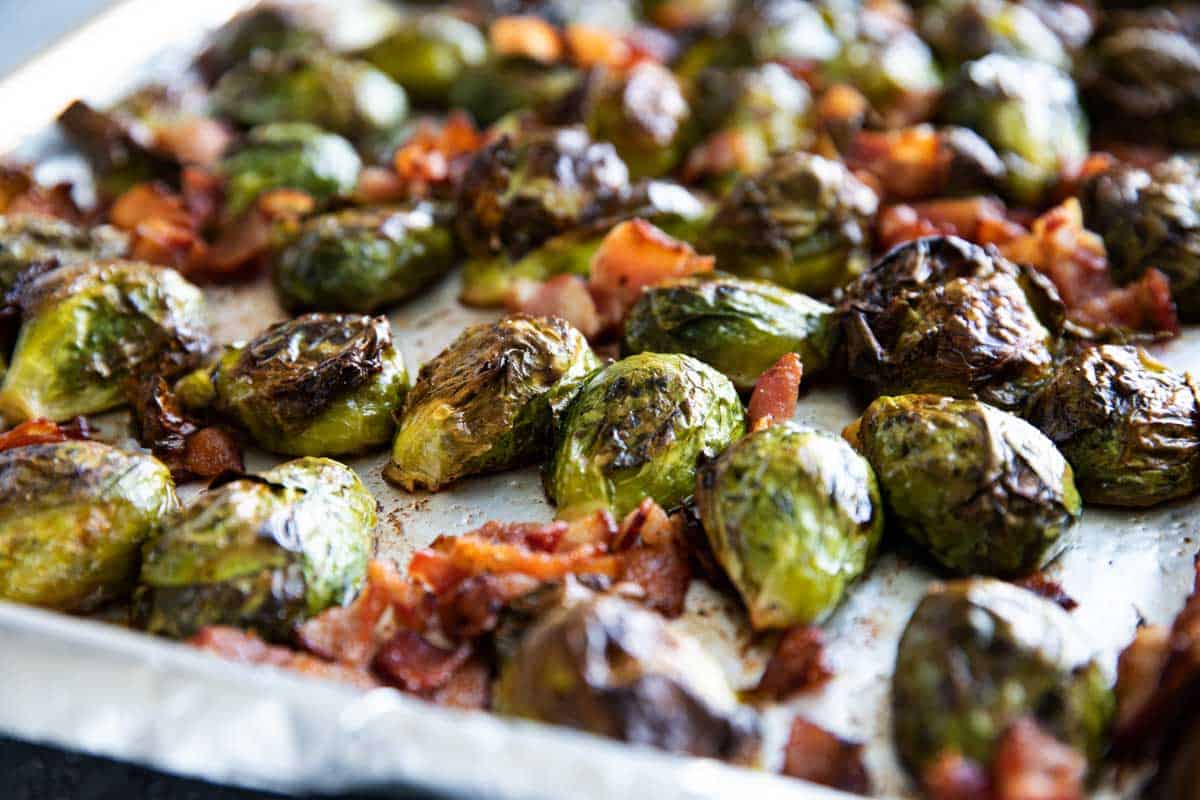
(953, 776)
(776, 393)
(43, 431)
(908, 164)
(635, 254)
(469, 687)
(724, 152)
(472, 607)
(211, 451)
(797, 665)
(417, 665)
(21, 194)
(163, 229)
(526, 36)
(436, 155)
(194, 140)
(663, 573)
(814, 754)
(564, 296)
(245, 647)
(842, 111)
(982, 220)
(1048, 589)
(188, 448)
(1030, 764)
(1138, 670)
(245, 244)
(592, 46)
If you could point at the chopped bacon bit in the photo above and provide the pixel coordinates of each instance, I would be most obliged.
(592, 46)
(21, 194)
(379, 186)
(202, 195)
(953, 776)
(797, 665)
(194, 140)
(245, 647)
(908, 164)
(724, 152)
(1144, 305)
(470, 687)
(595, 529)
(981, 220)
(1030, 764)
(635, 254)
(564, 296)
(472, 608)
(189, 449)
(243, 246)
(814, 754)
(1138, 670)
(39, 431)
(474, 555)
(145, 201)
(210, 451)
(164, 230)
(1048, 589)
(526, 36)
(662, 572)
(776, 393)
(436, 155)
(416, 664)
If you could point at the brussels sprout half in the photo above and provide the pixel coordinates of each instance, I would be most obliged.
(980, 654)
(264, 28)
(32, 239)
(427, 53)
(741, 327)
(260, 551)
(637, 429)
(793, 516)
(73, 516)
(88, 327)
(964, 30)
(980, 490)
(501, 86)
(646, 116)
(1129, 426)
(609, 667)
(363, 259)
(487, 402)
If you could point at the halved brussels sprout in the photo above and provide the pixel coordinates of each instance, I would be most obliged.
(500, 86)
(261, 551)
(793, 516)
(739, 326)
(964, 30)
(1029, 112)
(1129, 426)
(609, 667)
(29, 239)
(87, 328)
(427, 53)
(977, 656)
(944, 316)
(1151, 218)
(289, 155)
(486, 402)
(347, 97)
(320, 384)
(363, 259)
(980, 490)
(804, 222)
(73, 516)
(645, 115)
(637, 429)
(265, 28)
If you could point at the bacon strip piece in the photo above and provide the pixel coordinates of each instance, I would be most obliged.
(563, 296)
(245, 647)
(1030, 764)
(776, 393)
(635, 254)
(797, 665)
(38, 431)
(814, 754)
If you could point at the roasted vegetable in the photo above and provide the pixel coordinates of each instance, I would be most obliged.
(645, 115)
(793, 516)
(73, 516)
(427, 53)
(363, 259)
(31, 239)
(1151, 218)
(804, 222)
(1029, 112)
(87, 328)
(291, 155)
(486, 402)
(782, 31)
(943, 316)
(979, 655)
(344, 96)
(1129, 426)
(636, 429)
(739, 326)
(964, 30)
(609, 667)
(980, 490)
(265, 28)
(259, 551)
(320, 384)
(500, 86)
(120, 151)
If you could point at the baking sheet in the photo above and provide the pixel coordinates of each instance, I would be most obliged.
(83, 685)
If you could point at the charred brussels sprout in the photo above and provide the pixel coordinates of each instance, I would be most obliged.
(804, 223)
(73, 516)
(637, 429)
(793, 516)
(964, 30)
(427, 53)
(289, 155)
(31, 239)
(350, 98)
(977, 656)
(645, 115)
(606, 666)
(1029, 112)
(943, 316)
(741, 327)
(1129, 426)
(89, 327)
(501, 86)
(486, 402)
(363, 259)
(781, 31)
(259, 551)
(321, 384)
(263, 29)
(978, 488)
(1151, 219)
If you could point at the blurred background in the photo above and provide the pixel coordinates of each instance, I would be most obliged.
(27, 26)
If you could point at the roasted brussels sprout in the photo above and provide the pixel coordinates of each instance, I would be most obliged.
(264, 28)
(363, 259)
(1129, 426)
(964, 30)
(427, 53)
(259, 551)
(637, 429)
(1029, 112)
(73, 516)
(804, 222)
(979, 489)
(500, 86)
(289, 155)
(29, 239)
(486, 402)
(609, 667)
(793, 516)
(88, 327)
(344, 96)
(944, 316)
(977, 656)
(1151, 218)
(741, 327)
(320, 384)
(645, 115)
